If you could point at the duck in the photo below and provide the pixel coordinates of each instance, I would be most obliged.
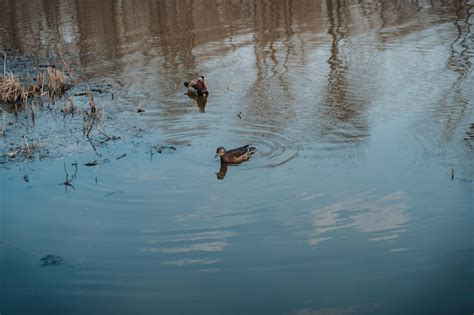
(197, 87)
(235, 156)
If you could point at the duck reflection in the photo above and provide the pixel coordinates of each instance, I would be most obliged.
(222, 171)
(201, 101)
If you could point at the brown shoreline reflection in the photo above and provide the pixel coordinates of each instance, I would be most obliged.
(147, 47)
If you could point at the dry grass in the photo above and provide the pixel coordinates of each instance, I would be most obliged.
(56, 82)
(90, 119)
(11, 89)
(50, 82)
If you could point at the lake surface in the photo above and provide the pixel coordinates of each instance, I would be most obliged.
(359, 199)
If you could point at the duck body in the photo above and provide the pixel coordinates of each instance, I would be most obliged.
(235, 156)
(197, 87)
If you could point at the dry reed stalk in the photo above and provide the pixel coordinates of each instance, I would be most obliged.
(11, 89)
(72, 108)
(56, 82)
(65, 65)
(90, 119)
(27, 146)
(92, 103)
(41, 84)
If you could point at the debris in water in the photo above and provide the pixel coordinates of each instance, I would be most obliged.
(160, 148)
(93, 163)
(51, 260)
(68, 181)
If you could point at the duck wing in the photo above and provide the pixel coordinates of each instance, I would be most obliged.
(239, 151)
(239, 154)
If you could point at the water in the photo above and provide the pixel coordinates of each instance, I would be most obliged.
(359, 111)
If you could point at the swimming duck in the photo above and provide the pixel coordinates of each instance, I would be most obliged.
(235, 156)
(197, 87)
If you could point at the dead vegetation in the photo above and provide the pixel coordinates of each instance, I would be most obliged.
(12, 90)
(29, 150)
(38, 81)
(51, 82)
(42, 87)
(91, 117)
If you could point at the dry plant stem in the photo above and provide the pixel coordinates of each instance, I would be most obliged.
(71, 102)
(92, 103)
(4, 63)
(27, 146)
(56, 82)
(3, 122)
(67, 181)
(65, 65)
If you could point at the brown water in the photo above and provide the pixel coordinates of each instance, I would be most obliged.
(360, 112)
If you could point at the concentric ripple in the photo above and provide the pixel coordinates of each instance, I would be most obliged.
(275, 145)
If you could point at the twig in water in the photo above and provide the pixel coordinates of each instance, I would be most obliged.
(68, 182)
(92, 103)
(93, 163)
(107, 138)
(13, 154)
(27, 146)
(93, 147)
(71, 103)
(3, 124)
(111, 92)
(39, 149)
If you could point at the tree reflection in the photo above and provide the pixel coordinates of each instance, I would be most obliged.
(343, 114)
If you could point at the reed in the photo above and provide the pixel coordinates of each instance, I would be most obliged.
(56, 82)
(11, 89)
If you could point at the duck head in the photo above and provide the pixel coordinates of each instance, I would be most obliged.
(220, 151)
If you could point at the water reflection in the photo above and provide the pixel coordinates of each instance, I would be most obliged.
(200, 100)
(271, 89)
(198, 245)
(383, 216)
(343, 114)
(222, 171)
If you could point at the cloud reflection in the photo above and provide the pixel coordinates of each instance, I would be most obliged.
(202, 247)
(187, 262)
(363, 212)
(193, 244)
